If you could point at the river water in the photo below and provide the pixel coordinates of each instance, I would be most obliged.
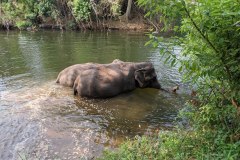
(40, 119)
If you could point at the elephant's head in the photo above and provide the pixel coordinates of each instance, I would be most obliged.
(147, 78)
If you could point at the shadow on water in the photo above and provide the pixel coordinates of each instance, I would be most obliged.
(40, 119)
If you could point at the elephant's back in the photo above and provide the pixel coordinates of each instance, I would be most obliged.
(102, 82)
(68, 75)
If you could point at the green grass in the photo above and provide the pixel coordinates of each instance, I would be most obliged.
(204, 140)
(177, 145)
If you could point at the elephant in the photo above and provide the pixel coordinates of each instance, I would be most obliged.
(94, 80)
(67, 76)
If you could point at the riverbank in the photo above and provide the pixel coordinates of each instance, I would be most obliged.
(133, 25)
(77, 15)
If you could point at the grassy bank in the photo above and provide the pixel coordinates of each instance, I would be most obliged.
(203, 141)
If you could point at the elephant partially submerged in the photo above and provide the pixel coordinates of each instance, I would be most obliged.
(67, 76)
(108, 80)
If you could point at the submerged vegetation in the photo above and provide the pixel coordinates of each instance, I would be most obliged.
(210, 59)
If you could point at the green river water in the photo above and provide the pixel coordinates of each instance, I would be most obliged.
(40, 119)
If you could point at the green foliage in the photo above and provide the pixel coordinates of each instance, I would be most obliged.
(115, 9)
(81, 9)
(177, 145)
(59, 12)
(30, 10)
(7, 12)
(34, 10)
(210, 54)
(140, 148)
(23, 24)
(27, 12)
(210, 59)
(46, 8)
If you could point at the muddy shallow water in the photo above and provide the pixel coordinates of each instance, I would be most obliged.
(41, 119)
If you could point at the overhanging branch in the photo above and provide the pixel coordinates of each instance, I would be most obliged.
(197, 28)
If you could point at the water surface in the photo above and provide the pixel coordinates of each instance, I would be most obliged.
(41, 119)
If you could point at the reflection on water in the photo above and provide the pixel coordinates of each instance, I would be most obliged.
(40, 119)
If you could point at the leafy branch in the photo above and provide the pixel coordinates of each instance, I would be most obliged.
(197, 28)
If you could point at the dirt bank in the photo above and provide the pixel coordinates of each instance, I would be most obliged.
(136, 25)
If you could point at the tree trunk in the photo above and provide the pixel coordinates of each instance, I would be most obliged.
(128, 12)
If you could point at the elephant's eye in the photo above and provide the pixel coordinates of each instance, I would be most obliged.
(154, 77)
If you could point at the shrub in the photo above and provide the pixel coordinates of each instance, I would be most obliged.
(210, 59)
(23, 24)
(81, 9)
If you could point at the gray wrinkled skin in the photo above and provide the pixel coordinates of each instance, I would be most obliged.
(107, 80)
(67, 76)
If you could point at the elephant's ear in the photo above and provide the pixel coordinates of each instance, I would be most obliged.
(144, 76)
(139, 77)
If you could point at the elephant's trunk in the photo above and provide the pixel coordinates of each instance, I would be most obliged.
(156, 85)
